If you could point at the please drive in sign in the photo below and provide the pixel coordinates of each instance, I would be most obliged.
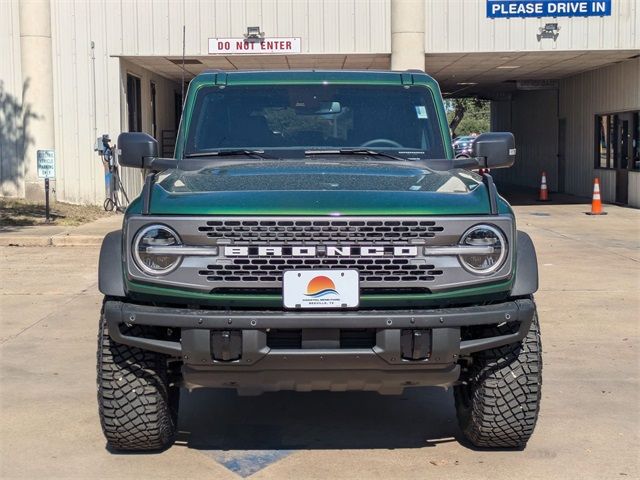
(258, 46)
(548, 8)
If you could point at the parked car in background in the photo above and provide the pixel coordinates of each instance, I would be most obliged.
(462, 145)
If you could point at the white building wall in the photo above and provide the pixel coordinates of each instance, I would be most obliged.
(462, 26)
(606, 90)
(141, 27)
(154, 28)
(12, 110)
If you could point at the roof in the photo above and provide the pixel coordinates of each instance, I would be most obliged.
(248, 77)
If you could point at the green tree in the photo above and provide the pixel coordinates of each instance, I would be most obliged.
(467, 115)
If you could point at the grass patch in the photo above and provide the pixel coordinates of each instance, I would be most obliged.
(17, 213)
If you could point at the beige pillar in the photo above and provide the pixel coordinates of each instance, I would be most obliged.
(407, 34)
(37, 78)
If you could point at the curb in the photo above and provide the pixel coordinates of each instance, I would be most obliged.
(26, 241)
(59, 240)
(65, 240)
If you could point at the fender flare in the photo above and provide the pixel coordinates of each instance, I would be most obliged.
(526, 281)
(110, 271)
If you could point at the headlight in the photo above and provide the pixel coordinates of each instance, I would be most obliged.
(484, 236)
(154, 237)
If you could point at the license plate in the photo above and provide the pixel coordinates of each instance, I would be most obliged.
(321, 289)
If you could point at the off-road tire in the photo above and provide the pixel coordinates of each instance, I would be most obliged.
(498, 402)
(137, 406)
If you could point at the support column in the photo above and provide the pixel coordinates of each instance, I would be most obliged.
(407, 34)
(37, 99)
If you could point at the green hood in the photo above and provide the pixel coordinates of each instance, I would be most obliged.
(316, 187)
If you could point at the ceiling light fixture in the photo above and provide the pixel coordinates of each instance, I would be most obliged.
(508, 67)
(467, 83)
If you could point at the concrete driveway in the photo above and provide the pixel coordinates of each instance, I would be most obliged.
(589, 426)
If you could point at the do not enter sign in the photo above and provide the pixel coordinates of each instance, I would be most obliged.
(254, 47)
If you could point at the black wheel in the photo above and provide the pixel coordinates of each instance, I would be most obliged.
(498, 402)
(138, 406)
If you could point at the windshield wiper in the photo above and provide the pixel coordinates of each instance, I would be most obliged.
(231, 153)
(354, 151)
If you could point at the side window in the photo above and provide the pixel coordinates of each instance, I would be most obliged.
(134, 103)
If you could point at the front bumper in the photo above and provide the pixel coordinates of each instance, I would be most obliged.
(258, 367)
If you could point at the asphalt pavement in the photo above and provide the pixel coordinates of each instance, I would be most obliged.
(589, 426)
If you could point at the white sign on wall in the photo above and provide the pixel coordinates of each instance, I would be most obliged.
(46, 160)
(259, 46)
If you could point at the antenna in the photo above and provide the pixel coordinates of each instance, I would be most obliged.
(183, 47)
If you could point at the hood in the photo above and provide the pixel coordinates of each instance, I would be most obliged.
(319, 187)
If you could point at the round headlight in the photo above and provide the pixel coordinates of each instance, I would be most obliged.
(484, 236)
(156, 262)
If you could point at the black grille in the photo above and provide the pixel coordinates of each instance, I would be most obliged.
(312, 232)
(281, 339)
(254, 269)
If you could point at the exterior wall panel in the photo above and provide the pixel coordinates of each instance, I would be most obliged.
(12, 110)
(326, 26)
(462, 26)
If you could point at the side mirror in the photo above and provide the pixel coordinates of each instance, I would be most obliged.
(494, 149)
(137, 149)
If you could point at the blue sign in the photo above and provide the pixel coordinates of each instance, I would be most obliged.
(548, 8)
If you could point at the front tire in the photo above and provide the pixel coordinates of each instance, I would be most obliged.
(137, 405)
(498, 402)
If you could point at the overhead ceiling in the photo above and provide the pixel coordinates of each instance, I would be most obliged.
(459, 74)
(485, 74)
(171, 67)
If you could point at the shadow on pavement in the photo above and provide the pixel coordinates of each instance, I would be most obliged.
(221, 420)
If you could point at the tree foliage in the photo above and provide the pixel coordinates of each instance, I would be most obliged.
(467, 115)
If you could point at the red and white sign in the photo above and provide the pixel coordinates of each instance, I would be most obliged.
(258, 46)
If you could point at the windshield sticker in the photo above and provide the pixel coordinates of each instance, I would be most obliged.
(421, 111)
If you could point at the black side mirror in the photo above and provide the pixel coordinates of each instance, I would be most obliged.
(137, 149)
(494, 149)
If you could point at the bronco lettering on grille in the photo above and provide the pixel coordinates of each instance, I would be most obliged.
(328, 251)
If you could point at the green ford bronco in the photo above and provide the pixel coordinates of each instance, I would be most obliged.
(315, 232)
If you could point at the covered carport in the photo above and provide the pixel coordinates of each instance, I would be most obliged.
(552, 101)
(549, 99)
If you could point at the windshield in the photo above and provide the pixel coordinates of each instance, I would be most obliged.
(398, 119)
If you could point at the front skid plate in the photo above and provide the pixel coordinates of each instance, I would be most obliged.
(259, 381)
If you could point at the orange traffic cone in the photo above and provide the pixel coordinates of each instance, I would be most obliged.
(544, 193)
(596, 202)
